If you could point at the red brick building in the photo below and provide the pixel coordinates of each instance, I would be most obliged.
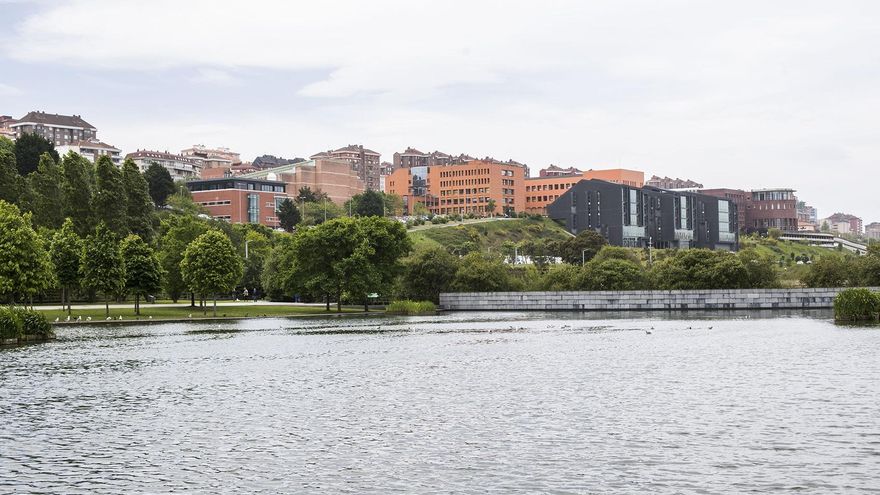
(238, 200)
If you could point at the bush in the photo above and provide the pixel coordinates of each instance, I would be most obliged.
(408, 307)
(34, 323)
(615, 274)
(10, 324)
(857, 305)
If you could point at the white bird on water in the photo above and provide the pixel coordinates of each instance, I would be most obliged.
(648, 332)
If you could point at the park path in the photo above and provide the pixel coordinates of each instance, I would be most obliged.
(182, 304)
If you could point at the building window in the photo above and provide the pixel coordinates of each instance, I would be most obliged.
(253, 207)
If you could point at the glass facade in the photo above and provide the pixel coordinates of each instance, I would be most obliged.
(253, 209)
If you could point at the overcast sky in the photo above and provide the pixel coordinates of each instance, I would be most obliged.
(746, 94)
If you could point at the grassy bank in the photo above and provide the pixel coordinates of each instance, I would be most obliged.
(490, 235)
(184, 312)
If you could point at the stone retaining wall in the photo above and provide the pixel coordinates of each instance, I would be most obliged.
(641, 300)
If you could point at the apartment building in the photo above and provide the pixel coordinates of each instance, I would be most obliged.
(648, 216)
(91, 149)
(211, 157)
(772, 209)
(471, 187)
(180, 167)
(843, 223)
(60, 129)
(554, 171)
(670, 183)
(364, 161)
(872, 230)
(808, 217)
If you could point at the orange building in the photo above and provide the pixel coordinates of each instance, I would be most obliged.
(469, 187)
(238, 200)
(541, 191)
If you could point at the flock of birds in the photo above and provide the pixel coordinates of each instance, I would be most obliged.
(89, 318)
(651, 331)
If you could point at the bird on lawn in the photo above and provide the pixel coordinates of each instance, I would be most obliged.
(79, 318)
(190, 315)
(108, 318)
(56, 319)
(88, 318)
(68, 318)
(150, 317)
(120, 317)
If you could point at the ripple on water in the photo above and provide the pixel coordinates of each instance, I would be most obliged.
(458, 403)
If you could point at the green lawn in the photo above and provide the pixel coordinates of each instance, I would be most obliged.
(166, 313)
(490, 234)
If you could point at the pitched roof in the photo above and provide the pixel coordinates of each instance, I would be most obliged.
(355, 147)
(93, 143)
(54, 119)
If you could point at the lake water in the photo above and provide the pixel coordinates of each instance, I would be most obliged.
(458, 403)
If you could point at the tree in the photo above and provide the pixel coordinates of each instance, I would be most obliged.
(370, 203)
(211, 265)
(111, 205)
(255, 255)
(76, 192)
(182, 200)
(67, 251)
(563, 277)
(580, 249)
(427, 273)
(420, 210)
(45, 185)
(288, 215)
(614, 274)
(279, 276)
(306, 195)
(25, 265)
(29, 148)
(356, 256)
(320, 212)
(832, 271)
(617, 253)
(139, 206)
(490, 206)
(103, 268)
(143, 272)
(478, 272)
(9, 178)
(700, 269)
(393, 204)
(179, 232)
(159, 183)
(760, 269)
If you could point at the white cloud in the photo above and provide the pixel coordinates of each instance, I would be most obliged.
(749, 93)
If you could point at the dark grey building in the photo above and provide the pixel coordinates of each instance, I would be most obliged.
(62, 130)
(639, 217)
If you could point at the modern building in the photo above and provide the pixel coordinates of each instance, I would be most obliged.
(238, 200)
(648, 216)
(772, 209)
(335, 178)
(211, 157)
(412, 185)
(739, 197)
(545, 189)
(872, 230)
(91, 149)
(180, 167)
(554, 171)
(366, 162)
(843, 223)
(669, 183)
(60, 129)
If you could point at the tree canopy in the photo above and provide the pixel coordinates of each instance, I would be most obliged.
(159, 183)
(103, 268)
(143, 272)
(288, 215)
(139, 206)
(25, 265)
(29, 147)
(210, 265)
(67, 251)
(111, 205)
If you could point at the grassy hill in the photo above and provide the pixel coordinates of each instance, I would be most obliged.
(490, 234)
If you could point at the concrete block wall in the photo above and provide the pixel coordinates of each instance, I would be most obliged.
(641, 300)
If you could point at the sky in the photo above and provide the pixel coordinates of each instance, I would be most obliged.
(747, 94)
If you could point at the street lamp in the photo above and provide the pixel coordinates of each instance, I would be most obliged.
(583, 257)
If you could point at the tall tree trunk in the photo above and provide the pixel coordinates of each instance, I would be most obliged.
(137, 304)
(327, 300)
(339, 302)
(215, 305)
(192, 296)
(106, 305)
(366, 304)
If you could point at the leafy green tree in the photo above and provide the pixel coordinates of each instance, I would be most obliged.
(77, 191)
(306, 195)
(427, 272)
(581, 248)
(490, 207)
(615, 274)
(182, 200)
(159, 183)
(143, 272)
(319, 212)
(211, 265)
(351, 255)
(179, 232)
(139, 206)
(258, 248)
(700, 269)
(9, 178)
(478, 272)
(25, 265)
(111, 205)
(280, 278)
(393, 204)
(617, 253)
(833, 271)
(420, 210)
(760, 269)
(370, 204)
(288, 215)
(563, 277)
(29, 148)
(45, 185)
(103, 268)
(67, 251)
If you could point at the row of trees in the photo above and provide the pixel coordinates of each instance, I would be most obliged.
(315, 207)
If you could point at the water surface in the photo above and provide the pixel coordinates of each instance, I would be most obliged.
(459, 403)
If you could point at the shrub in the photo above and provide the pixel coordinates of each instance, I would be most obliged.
(10, 324)
(408, 307)
(857, 305)
(34, 323)
(615, 274)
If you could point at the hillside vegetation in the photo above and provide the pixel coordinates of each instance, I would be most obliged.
(484, 236)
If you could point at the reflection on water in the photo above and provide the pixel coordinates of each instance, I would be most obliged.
(456, 403)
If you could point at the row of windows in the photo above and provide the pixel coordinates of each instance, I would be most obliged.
(464, 182)
(455, 192)
(530, 199)
(464, 173)
(216, 203)
(548, 187)
(775, 206)
(464, 201)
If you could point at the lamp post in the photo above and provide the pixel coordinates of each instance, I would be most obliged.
(583, 257)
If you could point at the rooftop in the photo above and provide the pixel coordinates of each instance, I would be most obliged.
(53, 119)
